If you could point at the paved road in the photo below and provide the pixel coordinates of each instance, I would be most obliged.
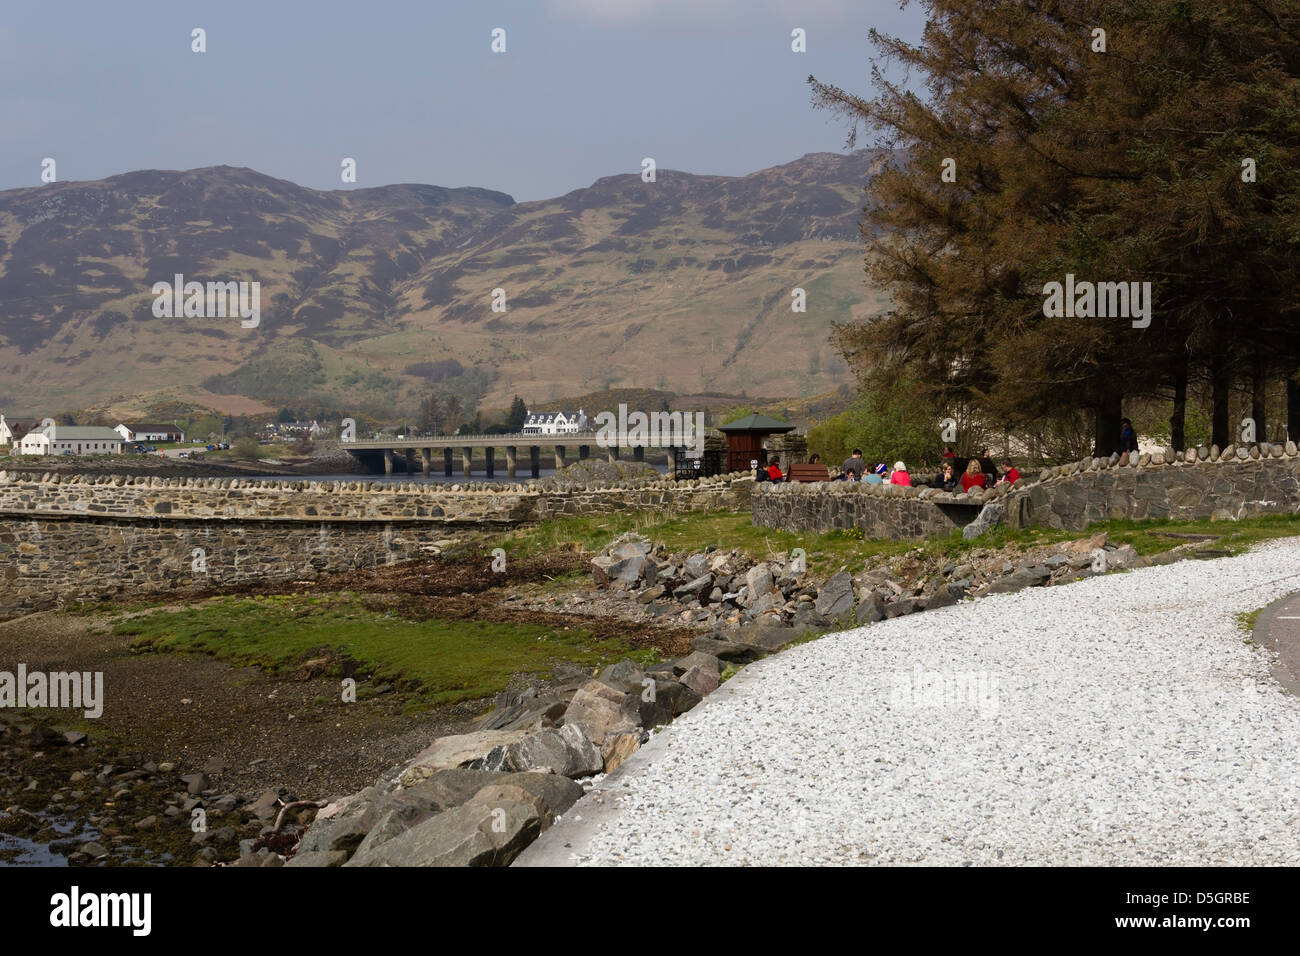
(1118, 720)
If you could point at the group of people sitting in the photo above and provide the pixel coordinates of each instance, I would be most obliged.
(979, 472)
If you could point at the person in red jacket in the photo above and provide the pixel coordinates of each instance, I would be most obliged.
(974, 477)
(1009, 473)
(899, 476)
(774, 471)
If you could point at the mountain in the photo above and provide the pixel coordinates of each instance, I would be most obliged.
(370, 295)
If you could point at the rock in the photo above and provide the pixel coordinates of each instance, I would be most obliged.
(696, 659)
(148, 823)
(618, 748)
(318, 858)
(696, 566)
(871, 607)
(457, 750)
(625, 676)
(94, 850)
(766, 636)
(1190, 456)
(496, 794)
(75, 738)
(676, 697)
(702, 680)
(600, 710)
(807, 620)
(566, 751)
(943, 597)
(195, 783)
(1056, 561)
(758, 580)
(651, 594)
(266, 807)
(1019, 579)
(1290, 448)
(990, 517)
(836, 596)
(727, 650)
(262, 858)
(524, 713)
(695, 587)
(902, 606)
(469, 835)
(1121, 557)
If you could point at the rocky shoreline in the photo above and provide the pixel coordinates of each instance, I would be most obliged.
(479, 799)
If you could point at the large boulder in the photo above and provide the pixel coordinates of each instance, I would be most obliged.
(600, 710)
(836, 596)
(457, 750)
(566, 751)
(475, 834)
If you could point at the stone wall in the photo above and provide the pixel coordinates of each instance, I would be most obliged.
(83, 538)
(1200, 483)
(1196, 484)
(52, 562)
(475, 504)
(880, 511)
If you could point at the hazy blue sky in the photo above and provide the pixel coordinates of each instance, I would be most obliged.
(411, 90)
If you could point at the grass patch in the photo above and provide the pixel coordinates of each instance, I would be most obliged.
(1246, 621)
(437, 661)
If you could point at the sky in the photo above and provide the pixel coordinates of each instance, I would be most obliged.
(411, 90)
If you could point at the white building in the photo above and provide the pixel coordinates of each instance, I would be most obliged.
(71, 440)
(555, 423)
(150, 432)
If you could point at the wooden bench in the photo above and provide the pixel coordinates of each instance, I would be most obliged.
(807, 473)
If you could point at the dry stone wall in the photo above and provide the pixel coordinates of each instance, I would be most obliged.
(1240, 482)
(67, 539)
(880, 511)
(1237, 482)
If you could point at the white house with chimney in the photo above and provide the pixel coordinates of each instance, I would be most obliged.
(555, 423)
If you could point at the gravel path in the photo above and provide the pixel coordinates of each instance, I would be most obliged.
(1117, 720)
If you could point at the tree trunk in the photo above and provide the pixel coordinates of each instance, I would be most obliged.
(1106, 435)
(1178, 419)
(1220, 380)
(1292, 409)
(1258, 388)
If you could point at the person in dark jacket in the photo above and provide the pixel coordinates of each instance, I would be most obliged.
(1128, 440)
(988, 467)
(855, 464)
(946, 479)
